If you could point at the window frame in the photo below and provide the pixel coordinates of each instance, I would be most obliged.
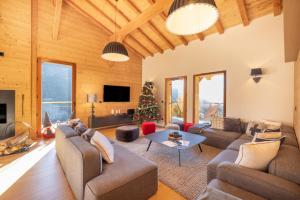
(195, 76)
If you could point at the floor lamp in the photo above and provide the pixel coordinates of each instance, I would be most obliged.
(92, 98)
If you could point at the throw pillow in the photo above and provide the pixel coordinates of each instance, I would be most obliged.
(88, 134)
(104, 146)
(73, 122)
(269, 136)
(232, 124)
(255, 127)
(271, 126)
(80, 128)
(257, 155)
(281, 140)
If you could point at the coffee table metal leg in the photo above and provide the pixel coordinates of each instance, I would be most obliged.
(149, 145)
(200, 147)
(179, 157)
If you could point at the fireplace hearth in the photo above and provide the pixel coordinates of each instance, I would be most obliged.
(7, 113)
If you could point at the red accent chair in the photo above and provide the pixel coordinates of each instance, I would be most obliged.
(186, 126)
(148, 128)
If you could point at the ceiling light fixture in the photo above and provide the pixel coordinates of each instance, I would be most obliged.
(115, 51)
(188, 17)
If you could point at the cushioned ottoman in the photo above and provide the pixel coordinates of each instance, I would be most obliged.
(186, 126)
(127, 133)
(148, 128)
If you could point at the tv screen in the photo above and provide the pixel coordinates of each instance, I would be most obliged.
(116, 93)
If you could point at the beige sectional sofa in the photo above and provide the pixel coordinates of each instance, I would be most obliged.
(280, 181)
(90, 178)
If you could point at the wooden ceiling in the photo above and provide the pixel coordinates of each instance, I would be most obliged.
(141, 23)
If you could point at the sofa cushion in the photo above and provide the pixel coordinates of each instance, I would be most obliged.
(287, 129)
(232, 124)
(260, 183)
(287, 164)
(66, 131)
(232, 190)
(290, 139)
(226, 155)
(244, 126)
(235, 145)
(129, 172)
(82, 162)
(219, 138)
(246, 137)
(257, 155)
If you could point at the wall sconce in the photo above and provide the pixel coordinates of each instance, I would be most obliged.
(92, 98)
(256, 73)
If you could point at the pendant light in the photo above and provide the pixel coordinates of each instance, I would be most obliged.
(187, 17)
(115, 51)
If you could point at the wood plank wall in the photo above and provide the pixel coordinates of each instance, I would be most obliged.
(297, 98)
(79, 42)
(15, 42)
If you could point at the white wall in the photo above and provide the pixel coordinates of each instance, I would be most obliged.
(237, 50)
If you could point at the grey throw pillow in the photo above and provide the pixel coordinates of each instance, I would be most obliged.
(88, 134)
(281, 139)
(232, 124)
(80, 128)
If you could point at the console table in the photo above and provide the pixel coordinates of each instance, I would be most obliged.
(110, 121)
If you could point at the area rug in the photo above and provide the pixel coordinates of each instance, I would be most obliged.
(189, 180)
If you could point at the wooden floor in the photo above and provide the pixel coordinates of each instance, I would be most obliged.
(46, 180)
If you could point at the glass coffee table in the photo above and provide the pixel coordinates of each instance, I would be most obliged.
(188, 140)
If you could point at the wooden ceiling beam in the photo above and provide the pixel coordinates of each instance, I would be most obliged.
(118, 26)
(158, 48)
(133, 49)
(142, 45)
(98, 24)
(56, 18)
(91, 18)
(200, 36)
(243, 12)
(151, 25)
(164, 17)
(277, 7)
(143, 17)
(219, 27)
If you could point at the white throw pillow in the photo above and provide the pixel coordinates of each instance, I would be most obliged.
(104, 146)
(269, 135)
(271, 125)
(257, 155)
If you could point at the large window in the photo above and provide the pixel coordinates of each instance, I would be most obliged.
(209, 96)
(57, 90)
(175, 107)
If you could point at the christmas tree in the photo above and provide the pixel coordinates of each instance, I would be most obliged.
(148, 109)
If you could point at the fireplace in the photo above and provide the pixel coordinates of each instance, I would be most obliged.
(7, 113)
(3, 113)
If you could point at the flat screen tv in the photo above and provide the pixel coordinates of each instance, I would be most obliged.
(116, 93)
